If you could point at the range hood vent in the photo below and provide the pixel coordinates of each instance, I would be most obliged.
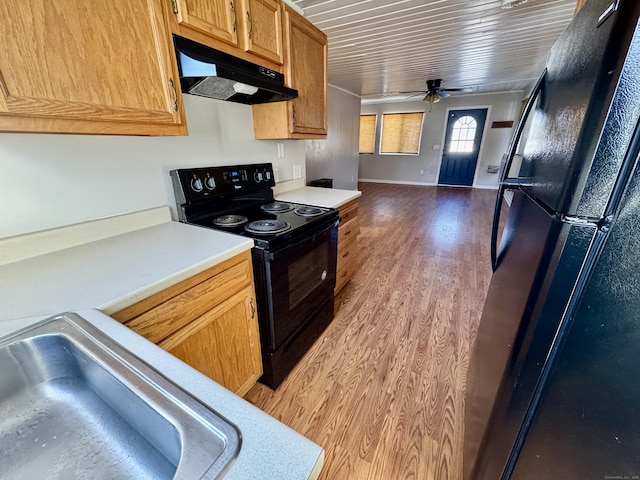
(210, 73)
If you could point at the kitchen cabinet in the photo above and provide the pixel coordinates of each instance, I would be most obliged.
(306, 70)
(348, 230)
(234, 26)
(209, 321)
(88, 67)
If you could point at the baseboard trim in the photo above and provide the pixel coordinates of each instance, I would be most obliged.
(396, 182)
(424, 184)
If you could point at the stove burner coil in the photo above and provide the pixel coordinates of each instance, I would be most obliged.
(230, 220)
(308, 211)
(277, 207)
(267, 227)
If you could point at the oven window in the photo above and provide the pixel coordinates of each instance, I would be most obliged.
(306, 274)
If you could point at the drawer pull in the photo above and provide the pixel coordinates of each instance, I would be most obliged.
(344, 274)
(347, 233)
(345, 255)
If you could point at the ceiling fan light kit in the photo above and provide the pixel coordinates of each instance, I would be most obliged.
(507, 4)
(431, 97)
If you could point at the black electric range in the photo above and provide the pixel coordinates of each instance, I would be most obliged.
(294, 258)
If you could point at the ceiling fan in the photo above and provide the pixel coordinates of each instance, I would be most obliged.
(434, 92)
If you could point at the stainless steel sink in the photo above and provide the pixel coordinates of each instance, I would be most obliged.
(75, 404)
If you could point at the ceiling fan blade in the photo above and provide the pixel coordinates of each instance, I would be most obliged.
(466, 89)
(411, 91)
(443, 94)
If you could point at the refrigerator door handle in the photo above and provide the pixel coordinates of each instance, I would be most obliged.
(494, 228)
(508, 183)
(515, 140)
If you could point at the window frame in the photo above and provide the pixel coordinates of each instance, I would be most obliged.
(373, 140)
(421, 130)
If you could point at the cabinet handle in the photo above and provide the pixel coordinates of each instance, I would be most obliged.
(253, 308)
(250, 25)
(172, 85)
(293, 115)
(345, 255)
(348, 232)
(343, 275)
(235, 18)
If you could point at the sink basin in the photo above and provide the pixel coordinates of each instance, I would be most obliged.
(75, 404)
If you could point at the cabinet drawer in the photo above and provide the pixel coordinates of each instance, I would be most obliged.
(344, 274)
(348, 211)
(347, 252)
(165, 318)
(348, 230)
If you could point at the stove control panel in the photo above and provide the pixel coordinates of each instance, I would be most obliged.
(192, 185)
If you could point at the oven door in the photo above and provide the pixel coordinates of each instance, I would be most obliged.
(300, 277)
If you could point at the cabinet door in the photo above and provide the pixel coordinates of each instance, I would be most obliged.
(262, 28)
(213, 17)
(308, 74)
(75, 66)
(223, 343)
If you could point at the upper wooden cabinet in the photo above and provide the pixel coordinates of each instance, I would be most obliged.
(88, 67)
(306, 71)
(254, 26)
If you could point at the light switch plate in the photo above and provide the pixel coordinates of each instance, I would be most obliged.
(280, 149)
(276, 175)
(297, 171)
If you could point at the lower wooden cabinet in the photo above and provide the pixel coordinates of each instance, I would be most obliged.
(347, 244)
(208, 321)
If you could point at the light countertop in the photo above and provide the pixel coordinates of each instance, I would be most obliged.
(269, 450)
(112, 263)
(320, 197)
(112, 273)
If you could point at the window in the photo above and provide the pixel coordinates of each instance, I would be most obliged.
(401, 133)
(463, 134)
(367, 133)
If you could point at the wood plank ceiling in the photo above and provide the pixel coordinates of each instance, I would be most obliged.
(380, 47)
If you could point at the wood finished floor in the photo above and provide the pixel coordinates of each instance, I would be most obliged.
(383, 389)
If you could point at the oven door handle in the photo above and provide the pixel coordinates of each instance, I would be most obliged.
(306, 239)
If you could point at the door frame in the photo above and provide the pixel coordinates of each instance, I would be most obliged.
(480, 151)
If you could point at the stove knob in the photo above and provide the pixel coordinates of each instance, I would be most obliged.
(257, 176)
(196, 185)
(267, 175)
(210, 183)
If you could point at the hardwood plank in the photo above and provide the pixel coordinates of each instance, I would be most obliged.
(382, 390)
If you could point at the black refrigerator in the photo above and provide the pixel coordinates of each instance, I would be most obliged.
(553, 385)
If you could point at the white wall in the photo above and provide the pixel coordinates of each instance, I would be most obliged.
(406, 168)
(337, 157)
(48, 181)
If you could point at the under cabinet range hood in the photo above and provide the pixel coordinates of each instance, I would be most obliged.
(210, 73)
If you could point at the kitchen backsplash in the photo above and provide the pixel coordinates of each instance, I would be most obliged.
(48, 181)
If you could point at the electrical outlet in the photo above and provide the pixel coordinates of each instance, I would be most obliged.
(297, 171)
(436, 147)
(421, 172)
(276, 175)
(280, 149)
